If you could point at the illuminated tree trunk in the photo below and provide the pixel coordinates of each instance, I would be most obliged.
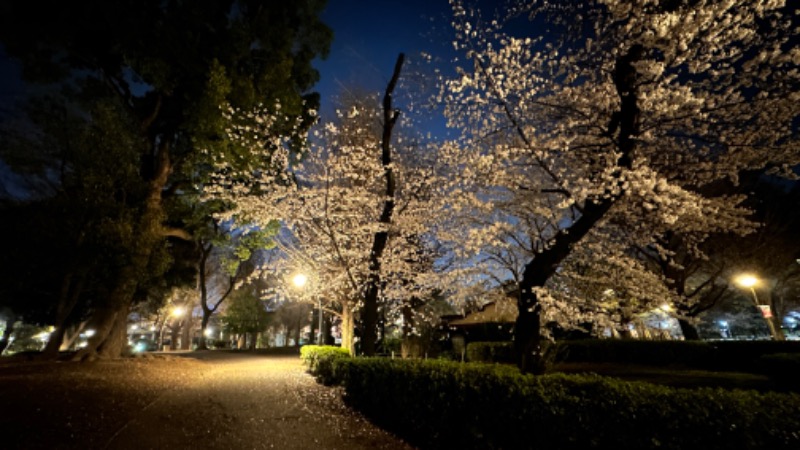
(68, 297)
(11, 320)
(348, 328)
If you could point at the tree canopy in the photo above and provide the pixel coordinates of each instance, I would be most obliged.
(148, 81)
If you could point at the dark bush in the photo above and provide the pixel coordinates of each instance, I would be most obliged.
(441, 404)
(632, 351)
(782, 368)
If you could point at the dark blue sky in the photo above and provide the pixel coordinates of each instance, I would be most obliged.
(368, 36)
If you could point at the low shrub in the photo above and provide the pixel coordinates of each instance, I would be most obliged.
(443, 404)
(319, 359)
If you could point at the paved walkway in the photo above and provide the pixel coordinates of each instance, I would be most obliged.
(251, 402)
(224, 401)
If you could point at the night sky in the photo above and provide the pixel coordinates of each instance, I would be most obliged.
(368, 36)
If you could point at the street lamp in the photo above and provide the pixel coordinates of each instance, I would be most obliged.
(750, 281)
(176, 312)
(300, 280)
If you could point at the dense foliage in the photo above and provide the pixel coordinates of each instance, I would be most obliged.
(437, 404)
(134, 119)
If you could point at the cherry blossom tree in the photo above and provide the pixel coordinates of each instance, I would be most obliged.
(353, 206)
(577, 116)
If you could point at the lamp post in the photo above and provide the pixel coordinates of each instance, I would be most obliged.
(300, 280)
(176, 312)
(749, 281)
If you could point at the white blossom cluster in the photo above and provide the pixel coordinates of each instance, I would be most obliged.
(716, 89)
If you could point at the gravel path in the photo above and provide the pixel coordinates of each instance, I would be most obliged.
(210, 400)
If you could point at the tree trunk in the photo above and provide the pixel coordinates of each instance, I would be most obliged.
(67, 299)
(186, 331)
(527, 336)
(174, 334)
(116, 343)
(11, 321)
(348, 328)
(201, 340)
(114, 313)
(296, 336)
(370, 312)
(689, 330)
(774, 324)
(71, 335)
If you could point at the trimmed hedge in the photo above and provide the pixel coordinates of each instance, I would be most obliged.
(719, 355)
(319, 359)
(442, 404)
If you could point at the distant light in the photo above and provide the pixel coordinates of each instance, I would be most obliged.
(746, 280)
(666, 307)
(89, 333)
(134, 327)
(178, 311)
(723, 323)
(140, 347)
(209, 332)
(300, 280)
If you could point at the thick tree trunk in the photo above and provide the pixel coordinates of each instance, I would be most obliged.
(348, 328)
(689, 330)
(369, 313)
(116, 343)
(113, 315)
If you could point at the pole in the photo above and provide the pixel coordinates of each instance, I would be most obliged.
(771, 325)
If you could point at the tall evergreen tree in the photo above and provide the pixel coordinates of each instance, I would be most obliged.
(164, 68)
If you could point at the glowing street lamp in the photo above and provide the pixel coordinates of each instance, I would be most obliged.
(300, 280)
(750, 281)
(178, 311)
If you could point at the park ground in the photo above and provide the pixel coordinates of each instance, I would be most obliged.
(199, 400)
